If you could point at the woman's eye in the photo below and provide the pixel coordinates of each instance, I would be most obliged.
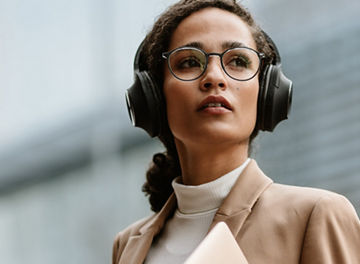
(189, 63)
(239, 62)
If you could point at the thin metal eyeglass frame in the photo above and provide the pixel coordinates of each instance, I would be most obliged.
(166, 55)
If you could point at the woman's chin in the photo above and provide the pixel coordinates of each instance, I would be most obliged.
(214, 137)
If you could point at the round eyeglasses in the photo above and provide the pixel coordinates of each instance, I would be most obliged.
(189, 63)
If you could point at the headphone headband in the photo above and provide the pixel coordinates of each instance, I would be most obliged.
(137, 59)
(277, 59)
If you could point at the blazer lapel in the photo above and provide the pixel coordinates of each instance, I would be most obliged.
(138, 245)
(242, 197)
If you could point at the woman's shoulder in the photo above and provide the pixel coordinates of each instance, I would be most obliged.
(307, 199)
(310, 194)
(326, 221)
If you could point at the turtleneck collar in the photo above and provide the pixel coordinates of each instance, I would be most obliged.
(207, 196)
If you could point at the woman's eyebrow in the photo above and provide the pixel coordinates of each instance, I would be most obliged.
(193, 45)
(232, 44)
(225, 45)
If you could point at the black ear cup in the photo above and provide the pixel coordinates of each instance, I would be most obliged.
(144, 100)
(275, 94)
(144, 104)
(275, 98)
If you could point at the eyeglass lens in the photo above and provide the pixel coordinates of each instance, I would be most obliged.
(190, 63)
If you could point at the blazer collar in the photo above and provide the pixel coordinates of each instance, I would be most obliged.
(138, 245)
(234, 210)
(242, 197)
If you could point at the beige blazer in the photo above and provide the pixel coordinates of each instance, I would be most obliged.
(272, 223)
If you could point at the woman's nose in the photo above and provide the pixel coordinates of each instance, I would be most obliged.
(214, 76)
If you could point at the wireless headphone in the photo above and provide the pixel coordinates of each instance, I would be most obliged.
(146, 104)
(144, 99)
(275, 93)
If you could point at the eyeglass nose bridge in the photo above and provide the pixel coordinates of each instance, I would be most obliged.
(214, 54)
(207, 55)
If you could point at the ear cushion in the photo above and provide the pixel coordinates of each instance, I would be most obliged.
(275, 97)
(145, 103)
(261, 109)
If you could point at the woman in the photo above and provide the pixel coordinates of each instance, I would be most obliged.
(206, 64)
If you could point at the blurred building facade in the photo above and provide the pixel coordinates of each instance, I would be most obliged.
(71, 179)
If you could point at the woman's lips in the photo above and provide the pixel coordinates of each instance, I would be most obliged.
(215, 104)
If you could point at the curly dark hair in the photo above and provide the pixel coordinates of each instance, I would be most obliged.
(166, 166)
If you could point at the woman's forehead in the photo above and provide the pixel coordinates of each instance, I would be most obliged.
(213, 28)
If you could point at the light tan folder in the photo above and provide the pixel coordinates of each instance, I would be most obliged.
(218, 247)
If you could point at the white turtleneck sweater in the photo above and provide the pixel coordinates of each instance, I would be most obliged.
(197, 206)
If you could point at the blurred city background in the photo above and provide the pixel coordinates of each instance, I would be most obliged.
(71, 165)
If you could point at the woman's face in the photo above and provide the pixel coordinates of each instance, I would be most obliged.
(191, 118)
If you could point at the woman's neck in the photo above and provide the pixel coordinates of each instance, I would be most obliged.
(205, 164)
